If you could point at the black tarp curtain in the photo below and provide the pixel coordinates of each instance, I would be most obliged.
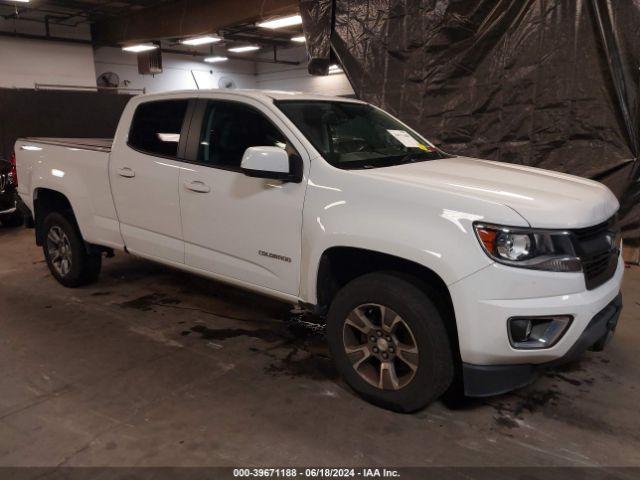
(547, 83)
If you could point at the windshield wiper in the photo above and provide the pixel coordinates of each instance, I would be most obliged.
(391, 160)
(415, 157)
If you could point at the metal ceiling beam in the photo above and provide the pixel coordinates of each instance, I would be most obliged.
(186, 18)
(191, 53)
(260, 38)
(44, 37)
(231, 57)
(66, 10)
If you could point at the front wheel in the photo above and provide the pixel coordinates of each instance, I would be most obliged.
(389, 342)
(66, 253)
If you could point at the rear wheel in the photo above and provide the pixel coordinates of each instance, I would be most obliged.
(389, 342)
(66, 253)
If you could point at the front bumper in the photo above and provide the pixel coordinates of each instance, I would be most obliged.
(9, 206)
(487, 380)
(9, 211)
(485, 300)
(8, 203)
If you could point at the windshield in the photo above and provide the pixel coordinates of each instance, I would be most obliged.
(356, 135)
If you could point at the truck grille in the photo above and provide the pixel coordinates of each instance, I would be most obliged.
(598, 249)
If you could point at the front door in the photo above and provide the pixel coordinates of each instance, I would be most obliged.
(235, 226)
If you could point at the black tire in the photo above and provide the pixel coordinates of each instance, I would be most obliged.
(12, 220)
(435, 363)
(85, 267)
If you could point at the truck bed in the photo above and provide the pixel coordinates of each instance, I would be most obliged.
(77, 168)
(97, 144)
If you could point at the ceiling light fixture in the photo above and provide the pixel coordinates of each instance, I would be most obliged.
(143, 47)
(200, 40)
(248, 48)
(299, 39)
(281, 22)
(216, 59)
(21, 1)
(334, 69)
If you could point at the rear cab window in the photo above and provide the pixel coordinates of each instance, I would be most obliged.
(156, 127)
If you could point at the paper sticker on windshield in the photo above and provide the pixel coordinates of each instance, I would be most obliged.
(404, 138)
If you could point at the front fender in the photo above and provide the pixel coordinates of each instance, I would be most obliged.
(430, 227)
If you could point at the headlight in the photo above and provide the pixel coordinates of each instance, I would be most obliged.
(550, 250)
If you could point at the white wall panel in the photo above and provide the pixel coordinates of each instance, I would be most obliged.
(25, 62)
(179, 71)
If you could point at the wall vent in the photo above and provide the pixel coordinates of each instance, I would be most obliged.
(150, 63)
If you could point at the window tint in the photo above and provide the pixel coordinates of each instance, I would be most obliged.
(156, 127)
(229, 128)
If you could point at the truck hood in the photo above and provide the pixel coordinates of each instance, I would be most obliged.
(543, 198)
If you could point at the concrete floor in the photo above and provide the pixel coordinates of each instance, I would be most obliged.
(152, 367)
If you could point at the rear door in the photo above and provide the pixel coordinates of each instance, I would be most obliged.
(144, 173)
(238, 227)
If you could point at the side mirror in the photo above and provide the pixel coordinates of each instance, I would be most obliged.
(271, 162)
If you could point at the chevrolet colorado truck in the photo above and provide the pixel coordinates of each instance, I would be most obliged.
(430, 270)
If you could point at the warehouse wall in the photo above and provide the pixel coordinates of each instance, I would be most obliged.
(297, 78)
(25, 62)
(178, 74)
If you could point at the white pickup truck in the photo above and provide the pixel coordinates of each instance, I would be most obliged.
(431, 270)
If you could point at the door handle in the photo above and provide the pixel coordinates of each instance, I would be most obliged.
(126, 172)
(197, 186)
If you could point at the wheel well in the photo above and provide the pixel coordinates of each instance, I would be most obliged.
(46, 201)
(340, 265)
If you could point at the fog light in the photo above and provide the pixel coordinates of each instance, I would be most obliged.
(537, 332)
(520, 329)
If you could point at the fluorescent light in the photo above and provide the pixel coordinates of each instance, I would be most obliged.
(334, 69)
(299, 39)
(31, 148)
(57, 173)
(143, 47)
(216, 59)
(200, 40)
(248, 48)
(282, 22)
(21, 1)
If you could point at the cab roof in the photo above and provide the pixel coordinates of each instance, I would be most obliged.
(256, 94)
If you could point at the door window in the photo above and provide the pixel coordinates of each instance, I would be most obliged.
(156, 127)
(229, 128)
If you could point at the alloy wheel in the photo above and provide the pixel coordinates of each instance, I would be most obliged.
(59, 250)
(380, 346)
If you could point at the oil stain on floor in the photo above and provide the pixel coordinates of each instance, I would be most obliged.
(295, 344)
(147, 302)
